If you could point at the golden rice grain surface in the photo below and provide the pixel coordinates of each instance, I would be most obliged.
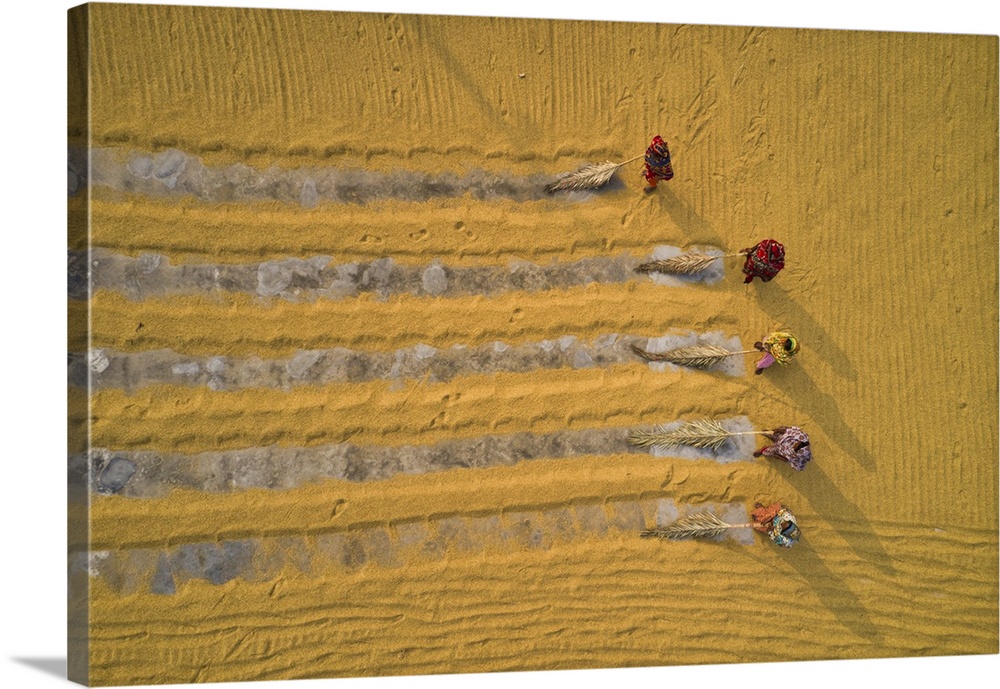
(871, 156)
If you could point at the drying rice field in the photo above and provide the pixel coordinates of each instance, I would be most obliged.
(349, 393)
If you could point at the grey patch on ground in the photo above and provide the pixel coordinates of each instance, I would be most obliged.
(291, 277)
(560, 524)
(188, 368)
(627, 516)
(162, 582)
(592, 519)
(274, 467)
(378, 547)
(298, 366)
(581, 359)
(126, 571)
(273, 278)
(76, 171)
(147, 263)
(330, 546)
(134, 370)
(666, 512)
(174, 174)
(422, 351)
(456, 533)
(78, 473)
(309, 196)
(98, 361)
(115, 475)
(305, 280)
(216, 365)
(525, 530)
(214, 562)
(141, 167)
(77, 275)
(168, 167)
(390, 545)
(77, 370)
(78, 562)
(434, 280)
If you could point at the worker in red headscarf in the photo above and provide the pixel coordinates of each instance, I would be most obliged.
(657, 163)
(763, 260)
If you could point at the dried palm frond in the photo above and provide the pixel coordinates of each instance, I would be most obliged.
(696, 356)
(700, 525)
(593, 176)
(705, 433)
(684, 264)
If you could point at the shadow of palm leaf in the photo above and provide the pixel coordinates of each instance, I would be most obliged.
(777, 302)
(822, 409)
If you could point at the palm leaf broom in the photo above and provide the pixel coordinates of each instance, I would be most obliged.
(695, 356)
(593, 176)
(701, 525)
(704, 434)
(684, 264)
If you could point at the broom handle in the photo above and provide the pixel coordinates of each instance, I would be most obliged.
(744, 351)
(625, 162)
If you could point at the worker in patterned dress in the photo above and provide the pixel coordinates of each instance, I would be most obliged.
(658, 165)
(778, 347)
(777, 523)
(764, 260)
(790, 444)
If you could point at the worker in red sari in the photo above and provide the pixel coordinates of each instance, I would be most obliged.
(764, 260)
(658, 165)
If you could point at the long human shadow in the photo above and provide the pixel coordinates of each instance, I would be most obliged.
(822, 408)
(772, 296)
(50, 666)
(490, 111)
(777, 301)
(456, 68)
(829, 588)
(832, 592)
(688, 219)
(827, 499)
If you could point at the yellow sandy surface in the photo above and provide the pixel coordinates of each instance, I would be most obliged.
(237, 325)
(871, 156)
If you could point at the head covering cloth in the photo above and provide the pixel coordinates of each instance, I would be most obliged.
(775, 345)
